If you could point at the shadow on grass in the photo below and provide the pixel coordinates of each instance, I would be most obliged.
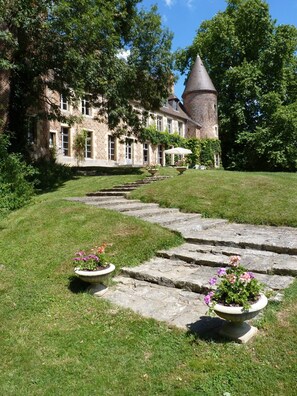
(76, 285)
(206, 329)
(51, 175)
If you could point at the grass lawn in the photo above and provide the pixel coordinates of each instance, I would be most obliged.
(255, 198)
(58, 340)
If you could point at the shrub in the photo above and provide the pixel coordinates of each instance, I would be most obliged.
(15, 188)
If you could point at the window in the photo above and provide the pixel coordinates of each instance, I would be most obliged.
(175, 105)
(180, 128)
(88, 144)
(111, 148)
(85, 106)
(32, 129)
(216, 131)
(217, 160)
(63, 103)
(160, 154)
(145, 153)
(159, 123)
(52, 139)
(169, 125)
(65, 133)
(128, 150)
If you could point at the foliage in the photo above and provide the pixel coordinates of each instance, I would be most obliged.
(253, 64)
(274, 146)
(79, 145)
(203, 150)
(50, 174)
(151, 134)
(15, 187)
(96, 47)
(237, 287)
(91, 261)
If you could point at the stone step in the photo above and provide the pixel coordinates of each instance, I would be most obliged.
(218, 256)
(108, 203)
(196, 225)
(171, 218)
(178, 308)
(120, 188)
(148, 212)
(274, 239)
(94, 199)
(193, 277)
(107, 193)
(127, 206)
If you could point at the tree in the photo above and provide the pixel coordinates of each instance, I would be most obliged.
(75, 47)
(253, 65)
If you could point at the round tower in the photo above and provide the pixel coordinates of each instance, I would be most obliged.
(200, 100)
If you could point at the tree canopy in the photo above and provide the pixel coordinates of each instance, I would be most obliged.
(76, 47)
(252, 62)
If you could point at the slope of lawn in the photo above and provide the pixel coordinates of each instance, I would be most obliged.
(58, 340)
(255, 198)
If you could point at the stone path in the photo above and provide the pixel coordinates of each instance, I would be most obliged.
(171, 286)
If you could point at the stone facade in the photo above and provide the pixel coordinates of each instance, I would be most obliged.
(196, 117)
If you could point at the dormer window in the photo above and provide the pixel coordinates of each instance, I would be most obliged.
(175, 105)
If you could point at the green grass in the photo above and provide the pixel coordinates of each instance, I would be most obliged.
(255, 198)
(57, 340)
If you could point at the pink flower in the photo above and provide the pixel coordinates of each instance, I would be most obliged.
(245, 278)
(234, 261)
(231, 278)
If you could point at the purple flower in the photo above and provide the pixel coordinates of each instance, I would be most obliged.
(207, 298)
(252, 276)
(212, 281)
(221, 271)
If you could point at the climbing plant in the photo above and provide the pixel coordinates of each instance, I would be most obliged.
(79, 146)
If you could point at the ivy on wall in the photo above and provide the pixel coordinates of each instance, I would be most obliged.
(79, 145)
(203, 150)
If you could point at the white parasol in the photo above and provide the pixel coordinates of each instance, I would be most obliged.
(178, 151)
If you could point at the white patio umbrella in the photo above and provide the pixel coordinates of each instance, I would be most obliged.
(178, 151)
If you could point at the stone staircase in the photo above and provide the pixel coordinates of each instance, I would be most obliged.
(171, 286)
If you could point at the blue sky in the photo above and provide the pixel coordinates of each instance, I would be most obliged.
(183, 18)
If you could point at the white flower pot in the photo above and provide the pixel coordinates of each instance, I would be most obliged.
(96, 278)
(181, 169)
(235, 327)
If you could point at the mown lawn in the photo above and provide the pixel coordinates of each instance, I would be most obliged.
(58, 340)
(255, 198)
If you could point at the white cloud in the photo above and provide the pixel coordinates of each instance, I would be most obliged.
(169, 3)
(189, 3)
(123, 54)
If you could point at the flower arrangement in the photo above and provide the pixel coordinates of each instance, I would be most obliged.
(237, 287)
(181, 162)
(152, 166)
(93, 261)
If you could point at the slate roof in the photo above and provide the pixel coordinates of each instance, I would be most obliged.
(199, 79)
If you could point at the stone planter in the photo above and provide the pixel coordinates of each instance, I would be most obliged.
(181, 169)
(96, 279)
(152, 171)
(235, 327)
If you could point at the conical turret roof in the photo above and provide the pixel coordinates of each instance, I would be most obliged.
(199, 79)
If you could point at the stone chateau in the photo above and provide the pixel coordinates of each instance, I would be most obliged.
(196, 117)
